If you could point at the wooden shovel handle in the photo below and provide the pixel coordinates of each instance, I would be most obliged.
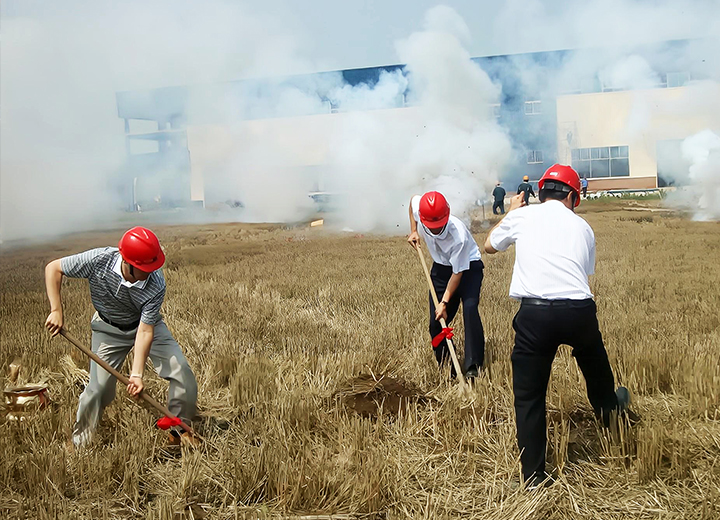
(124, 380)
(451, 347)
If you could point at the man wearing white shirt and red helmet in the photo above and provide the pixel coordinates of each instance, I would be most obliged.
(457, 274)
(554, 254)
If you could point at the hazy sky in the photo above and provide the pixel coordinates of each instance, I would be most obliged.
(348, 34)
(332, 34)
(362, 33)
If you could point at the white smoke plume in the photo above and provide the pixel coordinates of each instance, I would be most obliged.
(374, 155)
(702, 150)
(631, 72)
(448, 140)
(62, 145)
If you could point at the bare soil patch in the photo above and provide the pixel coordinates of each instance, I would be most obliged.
(370, 395)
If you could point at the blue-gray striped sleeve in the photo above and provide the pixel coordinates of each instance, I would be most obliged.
(80, 265)
(151, 310)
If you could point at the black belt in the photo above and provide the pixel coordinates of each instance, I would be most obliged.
(556, 303)
(122, 326)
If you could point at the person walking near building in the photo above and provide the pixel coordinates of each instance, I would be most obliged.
(526, 189)
(554, 255)
(457, 274)
(498, 199)
(584, 186)
(127, 290)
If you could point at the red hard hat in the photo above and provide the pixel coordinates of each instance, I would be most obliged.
(140, 248)
(564, 174)
(434, 210)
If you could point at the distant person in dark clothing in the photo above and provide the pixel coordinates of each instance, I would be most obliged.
(584, 185)
(526, 188)
(498, 199)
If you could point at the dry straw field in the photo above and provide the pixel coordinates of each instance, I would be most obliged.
(288, 329)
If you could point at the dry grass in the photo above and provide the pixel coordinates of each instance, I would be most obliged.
(278, 322)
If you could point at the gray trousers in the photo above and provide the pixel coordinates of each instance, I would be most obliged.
(113, 345)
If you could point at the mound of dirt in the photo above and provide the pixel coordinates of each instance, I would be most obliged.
(367, 395)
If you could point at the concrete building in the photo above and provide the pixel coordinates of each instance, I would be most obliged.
(596, 134)
(621, 136)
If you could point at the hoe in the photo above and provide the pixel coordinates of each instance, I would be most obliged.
(451, 347)
(172, 420)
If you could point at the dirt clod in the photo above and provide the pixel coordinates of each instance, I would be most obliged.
(368, 395)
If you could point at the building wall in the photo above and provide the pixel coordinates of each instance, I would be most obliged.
(622, 183)
(534, 132)
(265, 146)
(637, 119)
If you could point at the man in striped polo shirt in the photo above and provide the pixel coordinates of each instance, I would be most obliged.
(127, 289)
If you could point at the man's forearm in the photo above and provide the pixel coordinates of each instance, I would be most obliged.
(487, 246)
(452, 286)
(53, 283)
(515, 203)
(143, 342)
(413, 224)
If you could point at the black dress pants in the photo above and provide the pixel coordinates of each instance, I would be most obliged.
(539, 330)
(469, 294)
(499, 205)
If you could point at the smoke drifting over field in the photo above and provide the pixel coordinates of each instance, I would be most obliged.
(375, 159)
(61, 140)
(702, 150)
(451, 143)
(62, 143)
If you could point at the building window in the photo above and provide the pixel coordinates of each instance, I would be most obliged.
(495, 110)
(534, 157)
(603, 161)
(533, 108)
(619, 161)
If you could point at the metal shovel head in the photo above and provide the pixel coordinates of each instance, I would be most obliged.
(177, 439)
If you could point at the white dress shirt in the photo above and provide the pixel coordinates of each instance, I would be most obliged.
(454, 246)
(554, 251)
